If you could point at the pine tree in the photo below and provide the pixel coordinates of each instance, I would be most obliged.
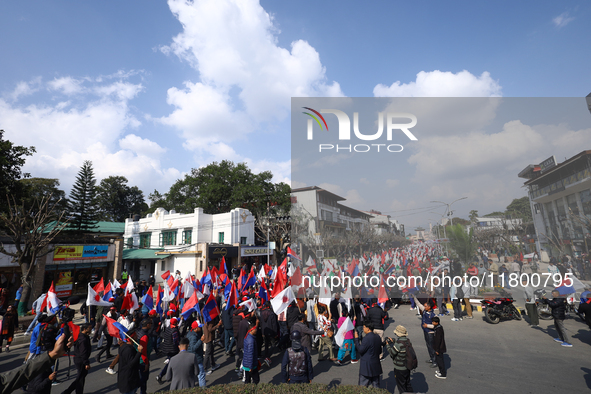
(82, 205)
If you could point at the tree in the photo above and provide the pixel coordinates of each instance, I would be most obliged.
(37, 188)
(12, 158)
(31, 230)
(157, 200)
(473, 215)
(461, 242)
(221, 187)
(117, 201)
(83, 212)
(520, 208)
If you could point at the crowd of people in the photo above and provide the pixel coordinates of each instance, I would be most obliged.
(348, 326)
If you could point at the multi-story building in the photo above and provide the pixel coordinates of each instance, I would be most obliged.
(169, 241)
(383, 224)
(560, 198)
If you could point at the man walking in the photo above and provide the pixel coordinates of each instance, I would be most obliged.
(82, 349)
(296, 366)
(182, 370)
(250, 362)
(530, 303)
(128, 377)
(397, 350)
(324, 324)
(196, 347)
(305, 331)
(558, 305)
(370, 350)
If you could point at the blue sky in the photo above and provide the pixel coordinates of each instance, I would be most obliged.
(150, 90)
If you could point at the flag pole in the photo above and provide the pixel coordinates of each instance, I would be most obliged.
(131, 339)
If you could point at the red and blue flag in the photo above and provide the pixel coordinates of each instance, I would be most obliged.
(210, 310)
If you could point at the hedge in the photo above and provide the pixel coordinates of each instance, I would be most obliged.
(266, 388)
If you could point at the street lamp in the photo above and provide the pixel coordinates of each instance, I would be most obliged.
(449, 212)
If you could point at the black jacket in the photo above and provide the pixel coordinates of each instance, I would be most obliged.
(41, 384)
(227, 318)
(82, 349)
(293, 313)
(285, 366)
(370, 350)
(376, 315)
(236, 319)
(269, 324)
(439, 340)
(128, 376)
(241, 333)
(558, 306)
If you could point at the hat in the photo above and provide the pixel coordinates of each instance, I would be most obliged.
(173, 322)
(244, 298)
(152, 312)
(113, 308)
(169, 313)
(400, 331)
(196, 324)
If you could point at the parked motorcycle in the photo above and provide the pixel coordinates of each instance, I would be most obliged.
(500, 308)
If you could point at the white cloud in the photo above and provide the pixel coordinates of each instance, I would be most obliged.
(562, 20)
(365, 181)
(442, 84)
(67, 132)
(354, 199)
(25, 88)
(336, 189)
(246, 79)
(66, 85)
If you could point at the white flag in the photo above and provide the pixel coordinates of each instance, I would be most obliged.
(282, 300)
(129, 287)
(95, 299)
(261, 274)
(116, 285)
(250, 304)
(345, 328)
(310, 262)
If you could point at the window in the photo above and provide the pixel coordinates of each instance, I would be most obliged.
(129, 242)
(167, 238)
(162, 265)
(145, 240)
(242, 240)
(221, 238)
(187, 235)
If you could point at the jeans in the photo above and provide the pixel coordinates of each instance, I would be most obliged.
(348, 346)
(369, 380)
(440, 364)
(429, 342)
(559, 324)
(144, 379)
(229, 340)
(201, 375)
(208, 360)
(457, 308)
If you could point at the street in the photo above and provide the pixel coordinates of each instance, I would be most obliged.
(509, 357)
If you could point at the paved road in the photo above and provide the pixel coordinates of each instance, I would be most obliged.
(506, 358)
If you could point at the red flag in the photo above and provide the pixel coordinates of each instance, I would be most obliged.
(382, 295)
(282, 271)
(352, 266)
(223, 267)
(278, 286)
(165, 275)
(99, 286)
(214, 276)
(74, 329)
(233, 296)
(296, 278)
(127, 302)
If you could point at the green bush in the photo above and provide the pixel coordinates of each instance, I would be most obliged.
(266, 388)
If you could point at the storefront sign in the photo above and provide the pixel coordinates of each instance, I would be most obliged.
(217, 252)
(64, 284)
(547, 164)
(80, 252)
(255, 251)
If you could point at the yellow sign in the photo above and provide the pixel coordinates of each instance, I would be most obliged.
(68, 252)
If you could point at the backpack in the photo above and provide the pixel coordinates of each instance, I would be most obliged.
(297, 362)
(411, 356)
(459, 292)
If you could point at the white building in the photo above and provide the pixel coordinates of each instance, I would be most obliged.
(169, 241)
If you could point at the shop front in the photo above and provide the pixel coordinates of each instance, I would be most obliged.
(215, 253)
(73, 267)
(254, 255)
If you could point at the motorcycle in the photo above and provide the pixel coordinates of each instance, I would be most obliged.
(500, 308)
(544, 311)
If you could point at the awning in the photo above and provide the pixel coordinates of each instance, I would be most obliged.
(143, 254)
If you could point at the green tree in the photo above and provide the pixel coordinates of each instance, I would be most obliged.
(117, 201)
(158, 200)
(12, 159)
(473, 215)
(83, 211)
(462, 242)
(520, 208)
(221, 187)
(35, 189)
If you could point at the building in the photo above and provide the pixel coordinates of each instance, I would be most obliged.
(560, 199)
(383, 224)
(170, 241)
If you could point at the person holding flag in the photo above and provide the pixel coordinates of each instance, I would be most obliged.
(128, 378)
(210, 314)
(82, 349)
